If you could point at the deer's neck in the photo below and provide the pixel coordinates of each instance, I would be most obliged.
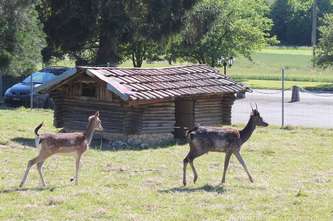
(246, 133)
(89, 133)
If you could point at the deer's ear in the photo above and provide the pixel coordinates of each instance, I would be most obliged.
(97, 114)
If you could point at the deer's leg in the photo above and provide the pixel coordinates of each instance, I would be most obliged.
(30, 164)
(194, 153)
(42, 156)
(195, 174)
(39, 168)
(185, 162)
(226, 164)
(77, 167)
(240, 159)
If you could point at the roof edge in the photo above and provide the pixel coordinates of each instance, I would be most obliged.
(147, 68)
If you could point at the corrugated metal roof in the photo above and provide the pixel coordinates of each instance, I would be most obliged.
(160, 83)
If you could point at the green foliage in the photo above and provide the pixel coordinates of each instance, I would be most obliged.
(325, 46)
(224, 28)
(292, 20)
(21, 37)
(140, 45)
(108, 31)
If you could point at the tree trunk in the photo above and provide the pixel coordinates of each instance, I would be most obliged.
(107, 53)
(137, 55)
(133, 59)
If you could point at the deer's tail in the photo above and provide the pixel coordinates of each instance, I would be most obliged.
(37, 129)
(37, 138)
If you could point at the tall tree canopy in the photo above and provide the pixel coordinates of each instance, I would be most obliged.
(218, 28)
(293, 19)
(97, 31)
(21, 37)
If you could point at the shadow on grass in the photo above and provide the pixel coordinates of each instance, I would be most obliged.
(207, 188)
(36, 189)
(105, 145)
(24, 141)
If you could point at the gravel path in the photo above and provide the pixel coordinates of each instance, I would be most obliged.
(314, 109)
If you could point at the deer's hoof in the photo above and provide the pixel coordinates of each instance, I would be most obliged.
(72, 179)
(195, 179)
(184, 183)
(251, 180)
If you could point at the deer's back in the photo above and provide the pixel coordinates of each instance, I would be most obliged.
(215, 138)
(63, 142)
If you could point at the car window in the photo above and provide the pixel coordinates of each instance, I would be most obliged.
(40, 77)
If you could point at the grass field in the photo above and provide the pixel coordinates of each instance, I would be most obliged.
(266, 68)
(292, 169)
(267, 65)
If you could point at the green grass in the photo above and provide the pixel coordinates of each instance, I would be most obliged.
(267, 64)
(292, 169)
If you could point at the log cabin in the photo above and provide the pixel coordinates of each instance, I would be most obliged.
(143, 105)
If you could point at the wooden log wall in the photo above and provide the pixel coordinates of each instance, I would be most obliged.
(74, 112)
(208, 111)
(227, 102)
(213, 111)
(158, 118)
(58, 110)
(133, 120)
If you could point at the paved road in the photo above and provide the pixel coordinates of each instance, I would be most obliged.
(314, 110)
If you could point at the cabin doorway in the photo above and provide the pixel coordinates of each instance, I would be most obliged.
(184, 116)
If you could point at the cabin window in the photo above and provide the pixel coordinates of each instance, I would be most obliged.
(88, 90)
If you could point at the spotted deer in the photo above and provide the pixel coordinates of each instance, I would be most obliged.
(214, 139)
(62, 143)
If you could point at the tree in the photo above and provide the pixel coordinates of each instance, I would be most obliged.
(223, 28)
(140, 45)
(325, 47)
(99, 31)
(21, 37)
(292, 20)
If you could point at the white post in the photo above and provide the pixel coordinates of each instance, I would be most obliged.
(31, 93)
(282, 100)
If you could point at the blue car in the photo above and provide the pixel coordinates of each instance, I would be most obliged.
(20, 93)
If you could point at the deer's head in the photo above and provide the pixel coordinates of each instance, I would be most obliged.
(255, 115)
(95, 121)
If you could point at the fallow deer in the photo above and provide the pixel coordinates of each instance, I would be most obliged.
(214, 139)
(63, 143)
